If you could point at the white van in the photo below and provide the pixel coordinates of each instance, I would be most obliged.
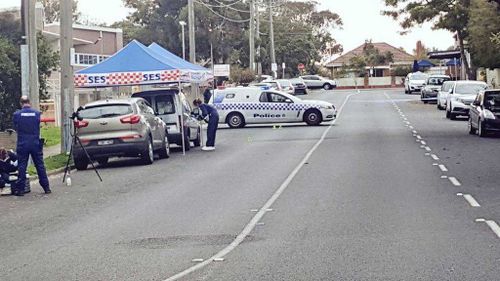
(254, 105)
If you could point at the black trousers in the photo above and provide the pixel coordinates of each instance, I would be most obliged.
(213, 122)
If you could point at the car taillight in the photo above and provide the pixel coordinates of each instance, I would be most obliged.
(131, 119)
(80, 123)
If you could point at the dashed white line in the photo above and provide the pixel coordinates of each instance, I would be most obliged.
(434, 156)
(494, 226)
(471, 200)
(428, 148)
(443, 168)
(419, 137)
(423, 142)
(257, 218)
(454, 181)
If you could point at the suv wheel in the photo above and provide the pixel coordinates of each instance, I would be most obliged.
(448, 113)
(472, 130)
(147, 156)
(165, 149)
(327, 86)
(313, 117)
(481, 130)
(81, 164)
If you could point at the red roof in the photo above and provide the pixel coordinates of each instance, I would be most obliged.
(400, 56)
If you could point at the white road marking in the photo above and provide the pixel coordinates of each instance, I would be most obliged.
(434, 156)
(419, 137)
(427, 154)
(443, 168)
(435, 164)
(218, 259)
(423, 142)
(454, 181)
(444, 177)
(480, 220)
(428, 148)
(415, 132)
(269, 210)
(197, 260)
(494, 226)
(471, 200)
(460, 194)
(254, 210)
(411, 127)
(253, 222)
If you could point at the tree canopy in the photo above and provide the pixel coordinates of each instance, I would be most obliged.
(301, 30)
(52, 10)
(483, 28)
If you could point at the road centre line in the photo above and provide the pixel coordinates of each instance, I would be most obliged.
(443, 168)
(428, 148)
(434, 157)
(257, 217)
(454, 181)
(494, 226)
(471, 200)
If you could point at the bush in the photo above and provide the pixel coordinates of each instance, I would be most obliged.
(241, 76)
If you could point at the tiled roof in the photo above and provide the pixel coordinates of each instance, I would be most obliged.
(399, 55)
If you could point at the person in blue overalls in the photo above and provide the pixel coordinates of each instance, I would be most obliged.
(27, 125)
(208, 112)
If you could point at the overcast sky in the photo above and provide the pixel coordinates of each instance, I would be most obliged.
(362, 20)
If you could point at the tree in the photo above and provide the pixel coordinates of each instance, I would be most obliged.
(52, 10)
(10, 66)
(483, 24)
(452, 15)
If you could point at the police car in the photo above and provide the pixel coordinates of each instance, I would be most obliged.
(258, 105)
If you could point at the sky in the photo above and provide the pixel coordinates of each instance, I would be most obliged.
(362, 20)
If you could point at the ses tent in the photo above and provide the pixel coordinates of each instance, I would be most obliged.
(137, 64)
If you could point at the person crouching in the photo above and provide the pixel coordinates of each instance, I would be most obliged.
(8, 164)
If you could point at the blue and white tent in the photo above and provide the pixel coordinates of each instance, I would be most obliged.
(137, 64)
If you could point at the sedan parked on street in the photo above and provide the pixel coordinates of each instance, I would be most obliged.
(461, 95)
(299, 86)
(119, 128)
(484, 113)
(432, 87)
(443, 94)
(414, 82)
(316, 81)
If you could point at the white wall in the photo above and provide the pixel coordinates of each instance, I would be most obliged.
(350, 82)
(379, 81)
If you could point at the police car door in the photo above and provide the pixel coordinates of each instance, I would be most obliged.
(276, 108)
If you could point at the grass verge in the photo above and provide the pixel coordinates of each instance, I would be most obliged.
(51, 163)
(52, 135)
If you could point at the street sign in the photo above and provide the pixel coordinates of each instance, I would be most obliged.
(222, 70)
(274, 67)
(301, 66)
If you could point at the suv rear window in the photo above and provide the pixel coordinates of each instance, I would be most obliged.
(164, 104)
(106, 111)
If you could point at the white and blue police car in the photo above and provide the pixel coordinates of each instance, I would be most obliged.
(259, 105)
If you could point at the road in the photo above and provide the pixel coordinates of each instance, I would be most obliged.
(373, 197)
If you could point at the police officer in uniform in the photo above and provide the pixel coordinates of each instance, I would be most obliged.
(208, 112)
(27, 125)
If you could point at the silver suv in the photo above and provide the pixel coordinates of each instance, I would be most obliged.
(119, 128)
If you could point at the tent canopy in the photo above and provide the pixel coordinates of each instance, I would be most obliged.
(425, 63)
(137, 64)
(453, 62)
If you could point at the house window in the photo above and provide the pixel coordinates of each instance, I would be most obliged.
(89, 59)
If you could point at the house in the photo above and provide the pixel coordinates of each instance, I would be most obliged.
(401, 58)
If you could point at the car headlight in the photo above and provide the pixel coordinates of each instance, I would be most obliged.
(488, 114)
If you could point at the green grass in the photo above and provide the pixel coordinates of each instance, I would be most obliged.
(51, 163)
(52, 135)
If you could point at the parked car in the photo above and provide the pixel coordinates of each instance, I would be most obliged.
(443, 94)
(119, 128)
(461, 95)
(414, 82)
(171, 106)
(265, 78)
(484, 113)
(316, 81)
(299, 86)
(252, 105)
(285, 86)
(432, 87)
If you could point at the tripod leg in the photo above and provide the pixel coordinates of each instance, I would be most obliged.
(89, 158)
(66, 168)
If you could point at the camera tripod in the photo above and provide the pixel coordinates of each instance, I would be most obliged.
(76, 141)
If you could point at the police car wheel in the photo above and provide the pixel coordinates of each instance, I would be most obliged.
(313, 117)
(235, 120)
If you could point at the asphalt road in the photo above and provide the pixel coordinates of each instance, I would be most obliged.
(359, 200)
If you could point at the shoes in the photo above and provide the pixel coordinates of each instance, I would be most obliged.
(47, 191)
(208, 148)
(6, 191)
(17, 193)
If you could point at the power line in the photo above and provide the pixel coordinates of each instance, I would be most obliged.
(220, 15)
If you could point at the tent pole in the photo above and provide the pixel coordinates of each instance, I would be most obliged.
(181, 124)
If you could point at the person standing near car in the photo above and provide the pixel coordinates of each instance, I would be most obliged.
(208, 112)
(27, 125)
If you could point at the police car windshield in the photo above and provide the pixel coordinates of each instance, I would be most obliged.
(106, 111)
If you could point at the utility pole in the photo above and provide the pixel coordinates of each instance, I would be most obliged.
(271, 32)
(67, 80)
(192, 39)
(29, 23)
(257, 37)
(183, 24)
(252, 35)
